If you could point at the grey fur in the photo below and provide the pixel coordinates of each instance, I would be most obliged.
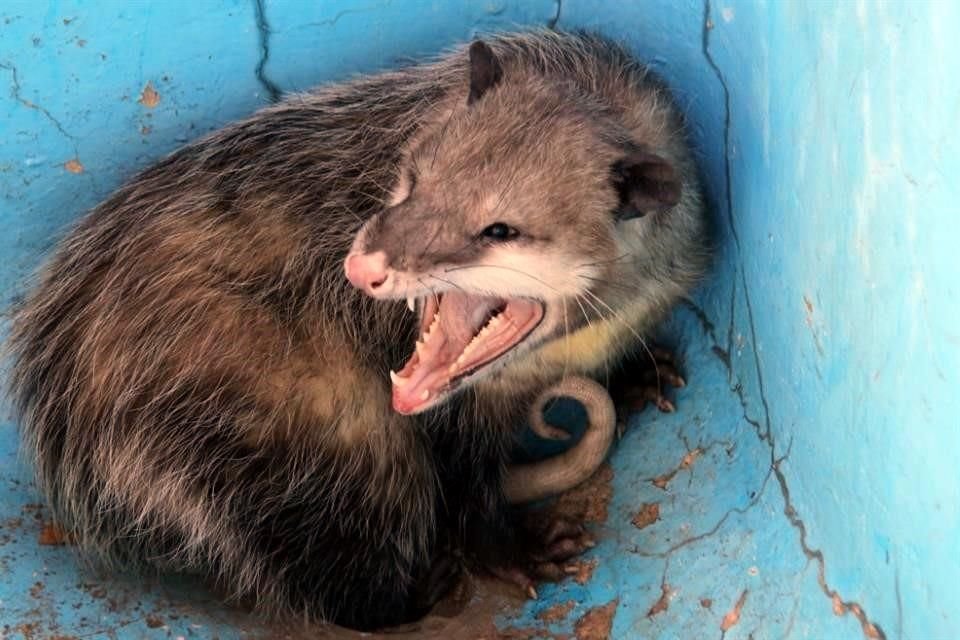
(201, 389)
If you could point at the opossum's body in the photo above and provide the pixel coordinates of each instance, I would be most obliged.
(201, 388)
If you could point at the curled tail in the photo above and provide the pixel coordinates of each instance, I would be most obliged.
(538, 480)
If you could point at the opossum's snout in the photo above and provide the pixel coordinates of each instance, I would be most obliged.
(369, 272)
(462, 333)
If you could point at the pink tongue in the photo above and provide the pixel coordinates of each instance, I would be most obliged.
(462, 316)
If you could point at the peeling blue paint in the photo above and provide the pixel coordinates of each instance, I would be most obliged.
(823, 355)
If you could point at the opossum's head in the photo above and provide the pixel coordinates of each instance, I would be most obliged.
(507, 224)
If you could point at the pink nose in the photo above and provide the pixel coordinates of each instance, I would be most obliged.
(367, 271)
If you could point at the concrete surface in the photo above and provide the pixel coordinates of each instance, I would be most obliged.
(815, 448)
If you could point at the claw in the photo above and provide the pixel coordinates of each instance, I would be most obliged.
(532, 592)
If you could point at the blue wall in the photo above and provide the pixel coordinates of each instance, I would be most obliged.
(823, 356)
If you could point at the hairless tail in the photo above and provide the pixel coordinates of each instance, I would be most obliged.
(538, 480)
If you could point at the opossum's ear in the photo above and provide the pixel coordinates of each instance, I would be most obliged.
(646, 183)
(485, 70)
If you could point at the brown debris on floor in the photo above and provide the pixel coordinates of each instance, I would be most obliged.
(73, 166)
(154, 621)
(596, 623)
(53, 534)
(589, 501)
(733, 616)
(525, 633)
(557, 612)
(648, 514)
(706, 603)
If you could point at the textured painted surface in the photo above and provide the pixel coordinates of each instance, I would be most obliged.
(822, 356)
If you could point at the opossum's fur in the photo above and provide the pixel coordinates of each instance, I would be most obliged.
(201, 389)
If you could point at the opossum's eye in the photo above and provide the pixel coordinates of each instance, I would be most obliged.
(499, 231)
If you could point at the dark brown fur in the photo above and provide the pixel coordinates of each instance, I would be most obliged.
(201, 389)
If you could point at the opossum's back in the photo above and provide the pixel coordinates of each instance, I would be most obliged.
(210, 285)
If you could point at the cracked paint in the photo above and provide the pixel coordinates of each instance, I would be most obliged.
(555, 20)
(263, 32)
(733, 616)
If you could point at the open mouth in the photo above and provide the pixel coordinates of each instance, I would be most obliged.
(460, 334)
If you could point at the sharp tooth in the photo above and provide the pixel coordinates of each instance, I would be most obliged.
(425, 395)
(419, 347)
(411, 303)
(433, 325)
(397, 379)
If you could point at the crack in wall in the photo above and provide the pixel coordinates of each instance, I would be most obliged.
(263, 32)
(17, 95)
(345, 12)
(896, 591)
(552, 22)
(705, 45)
(706, 534)
(870, 629)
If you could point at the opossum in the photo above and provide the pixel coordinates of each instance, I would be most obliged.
(218, 370)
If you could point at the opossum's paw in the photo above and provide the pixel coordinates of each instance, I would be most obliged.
(646, 382)
(548, 546)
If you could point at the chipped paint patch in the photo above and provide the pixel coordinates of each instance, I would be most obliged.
(149, 96)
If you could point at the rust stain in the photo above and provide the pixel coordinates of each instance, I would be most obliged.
(839, 608)
(149, 96)
(596, 623)
(648, 514)
(733, 616)
(53, 534)
(73, 166)
(706, 603)
(663, 603)
(557, 612)
(661, 481)
(808, 304)
(690, 458)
